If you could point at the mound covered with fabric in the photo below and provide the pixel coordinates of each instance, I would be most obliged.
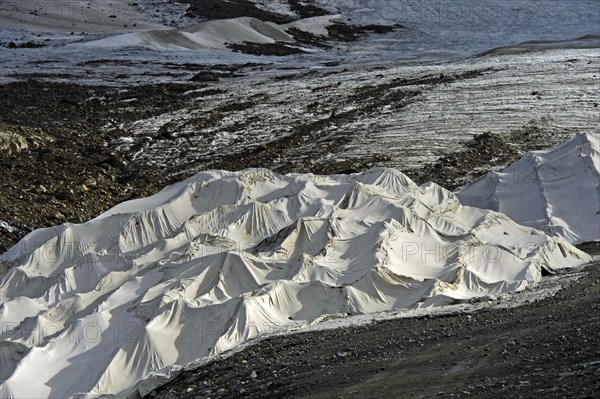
(556, 190)
(207, 264)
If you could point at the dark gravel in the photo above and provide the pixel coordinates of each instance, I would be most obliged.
(223, 9)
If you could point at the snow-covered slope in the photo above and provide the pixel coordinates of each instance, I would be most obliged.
(213, 35)
(557, 190)
(221, 258)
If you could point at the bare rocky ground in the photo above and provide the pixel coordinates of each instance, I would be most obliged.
(220, 9)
